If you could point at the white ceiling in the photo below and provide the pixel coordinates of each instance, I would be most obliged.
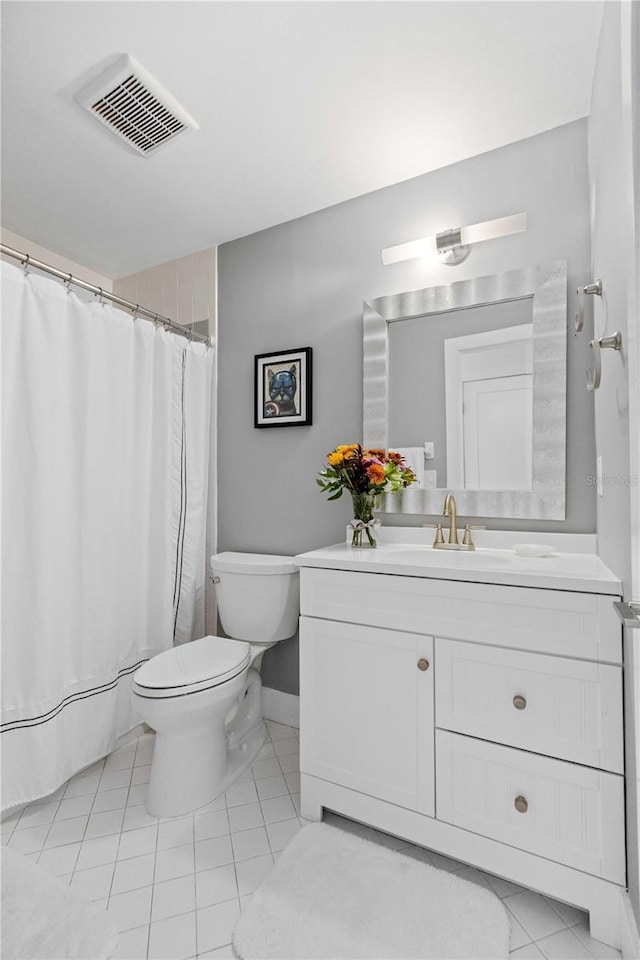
(300, 105)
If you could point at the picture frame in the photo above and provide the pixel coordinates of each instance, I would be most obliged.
(282, 388)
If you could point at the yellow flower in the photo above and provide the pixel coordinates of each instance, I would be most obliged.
(335, 459)
(347, 450)
(376, 473)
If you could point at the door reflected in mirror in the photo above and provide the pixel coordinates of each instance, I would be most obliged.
(463, 381)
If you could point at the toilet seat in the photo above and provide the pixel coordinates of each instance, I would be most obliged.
(190, 667)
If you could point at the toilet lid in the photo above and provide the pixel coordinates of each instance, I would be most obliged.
(205, 662)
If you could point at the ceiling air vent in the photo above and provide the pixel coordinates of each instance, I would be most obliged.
(128, 100)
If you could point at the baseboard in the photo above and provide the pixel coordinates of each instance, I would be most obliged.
(281, 707)
(629, 933)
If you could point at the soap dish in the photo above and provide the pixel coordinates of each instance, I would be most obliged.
(532, 550)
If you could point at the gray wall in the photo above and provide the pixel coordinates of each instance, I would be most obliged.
(612, 219)
(302, 284)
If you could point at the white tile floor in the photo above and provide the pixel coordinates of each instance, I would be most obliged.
(175, 887)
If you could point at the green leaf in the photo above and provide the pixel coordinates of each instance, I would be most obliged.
(336, 496)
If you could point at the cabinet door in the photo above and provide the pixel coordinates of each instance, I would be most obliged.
(366, 710)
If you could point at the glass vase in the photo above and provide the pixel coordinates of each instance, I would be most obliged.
(363, 523)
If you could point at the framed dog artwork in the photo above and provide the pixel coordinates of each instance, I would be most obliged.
(283, 388)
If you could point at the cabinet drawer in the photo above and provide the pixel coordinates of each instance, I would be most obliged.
(570, 709)
(567, 813)
(581, 625)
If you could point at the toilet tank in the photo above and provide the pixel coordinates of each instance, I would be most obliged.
(258, 596)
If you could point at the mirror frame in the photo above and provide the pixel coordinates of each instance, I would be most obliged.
(546, 284)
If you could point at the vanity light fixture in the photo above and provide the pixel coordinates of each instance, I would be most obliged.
(452, 246)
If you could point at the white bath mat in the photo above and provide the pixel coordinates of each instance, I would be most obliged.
(335, 895)
(43, 920)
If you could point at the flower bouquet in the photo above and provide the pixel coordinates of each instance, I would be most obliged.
(366, 475)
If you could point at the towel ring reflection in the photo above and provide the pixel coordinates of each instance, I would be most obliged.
(594, 374)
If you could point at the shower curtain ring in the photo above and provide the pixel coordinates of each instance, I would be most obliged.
(26, 265)
(100, 297)
(134, 312)
(68, 282)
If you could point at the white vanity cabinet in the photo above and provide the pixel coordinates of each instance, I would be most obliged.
(481, 720)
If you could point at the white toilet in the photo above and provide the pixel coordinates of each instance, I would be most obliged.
(204, 698)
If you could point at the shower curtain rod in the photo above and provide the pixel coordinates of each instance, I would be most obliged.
(29, 261)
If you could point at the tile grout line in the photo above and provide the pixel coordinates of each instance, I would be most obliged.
(233, 854)
(539, 940)
(261, 798)
(73, 871)
(22, 812)
(195, 887)
(155, 861)
(115, 862)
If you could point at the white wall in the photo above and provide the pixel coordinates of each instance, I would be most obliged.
(22, 245)
(185, 290)
(614, 235)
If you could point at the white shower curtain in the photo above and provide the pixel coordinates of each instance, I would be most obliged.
(105, 436)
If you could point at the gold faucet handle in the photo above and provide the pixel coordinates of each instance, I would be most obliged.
(439, 534)
(467, 539)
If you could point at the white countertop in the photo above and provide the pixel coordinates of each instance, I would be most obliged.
(581, 572)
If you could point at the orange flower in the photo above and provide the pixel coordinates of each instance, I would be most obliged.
(376, 473)
(379, 454)
(335, 459)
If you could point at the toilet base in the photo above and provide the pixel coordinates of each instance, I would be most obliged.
(241, 757)
(204, 742)
(184, 794)
(184, 774)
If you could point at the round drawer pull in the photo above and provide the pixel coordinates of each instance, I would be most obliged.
(423, 664)
(519, 702)
(521, 805)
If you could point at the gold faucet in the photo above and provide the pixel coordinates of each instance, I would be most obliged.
(449, 510)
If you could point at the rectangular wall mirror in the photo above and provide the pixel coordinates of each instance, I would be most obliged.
(477, 369)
